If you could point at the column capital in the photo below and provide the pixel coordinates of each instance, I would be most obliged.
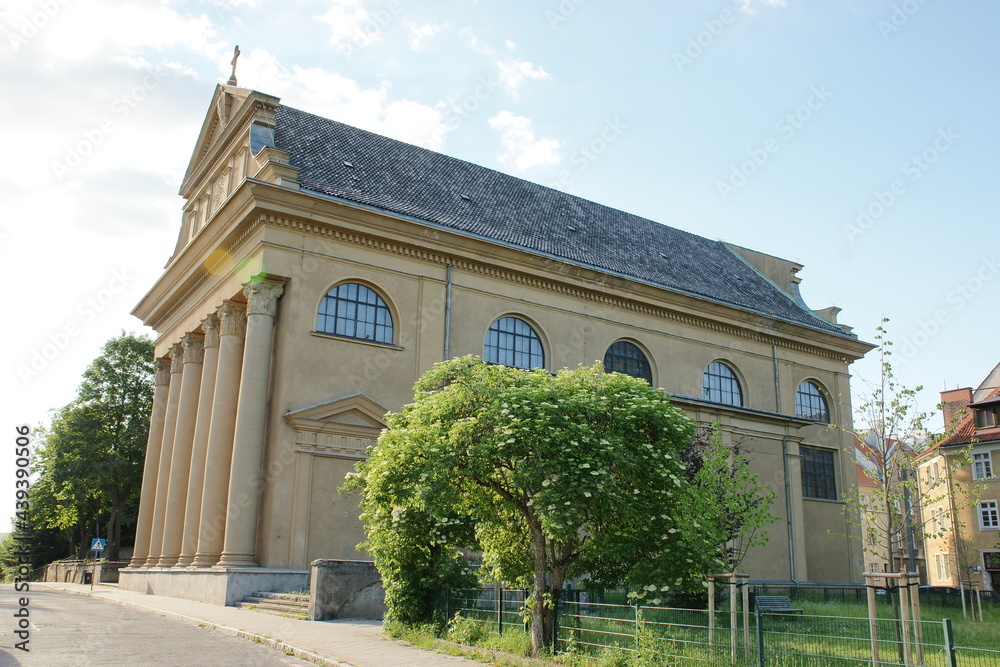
(176, 358)
(262, 296)
(163, 371)
(210, 325)
(194, 348)
(233, 317)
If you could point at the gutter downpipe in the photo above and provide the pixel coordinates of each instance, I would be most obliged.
(784, 464)
(447, 315)
(788, 512)
(777, 383)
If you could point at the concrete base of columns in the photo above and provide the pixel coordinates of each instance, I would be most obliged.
(231, 560)
(221, 587)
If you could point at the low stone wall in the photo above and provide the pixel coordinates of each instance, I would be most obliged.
(75, 571)
(345, 589)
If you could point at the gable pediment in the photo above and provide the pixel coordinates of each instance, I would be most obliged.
(355, 410)
(344, 427)
(229, 113)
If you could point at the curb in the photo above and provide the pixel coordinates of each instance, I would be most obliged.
(284, 647)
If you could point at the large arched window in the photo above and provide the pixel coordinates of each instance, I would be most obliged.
(625, 357)
(355, 311)
(512, 342)
(720, 385)
(810, 402)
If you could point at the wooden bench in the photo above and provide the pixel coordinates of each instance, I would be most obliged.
(776, 604)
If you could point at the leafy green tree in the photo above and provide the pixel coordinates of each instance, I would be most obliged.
(89, 463)
(731, 504)
(548, 476)
(892, 439)
(32, 542)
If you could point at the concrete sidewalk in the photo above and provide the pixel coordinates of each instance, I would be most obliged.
(357, 643)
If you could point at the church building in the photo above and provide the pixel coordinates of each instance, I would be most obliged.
(320, 269)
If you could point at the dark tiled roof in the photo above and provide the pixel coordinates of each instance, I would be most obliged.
(346, 162)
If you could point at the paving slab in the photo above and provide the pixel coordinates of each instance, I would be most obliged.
(337, 643)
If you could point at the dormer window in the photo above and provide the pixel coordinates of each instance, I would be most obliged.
(987, 417)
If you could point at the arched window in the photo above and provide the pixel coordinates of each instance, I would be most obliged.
(625, 357)
(355, 311)
(720, 385)
(512, 342)
(810, 402)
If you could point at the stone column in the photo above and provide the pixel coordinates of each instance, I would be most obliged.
(166, 451)
(218, 457)
(248, 446)
(147, 494)
(180, 465)
(199, 448)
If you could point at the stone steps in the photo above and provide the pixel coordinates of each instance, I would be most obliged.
(280, 604)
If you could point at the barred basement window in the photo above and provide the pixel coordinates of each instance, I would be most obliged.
(720, 385)
(355, 311)
(819, 478)
(512, 342)
(810, 403)
(625, 357)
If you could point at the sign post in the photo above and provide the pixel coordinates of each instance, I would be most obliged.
(97, 546)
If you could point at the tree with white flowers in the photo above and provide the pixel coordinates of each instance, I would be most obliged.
(547, 476)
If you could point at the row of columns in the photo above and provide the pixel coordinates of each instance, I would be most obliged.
(201, 482)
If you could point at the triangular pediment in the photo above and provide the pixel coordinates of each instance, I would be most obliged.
(356, 410)
(228, 112)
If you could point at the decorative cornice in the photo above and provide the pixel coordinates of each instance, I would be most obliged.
(234, 319)
(262, 296)
(210, 325)
(194, 348)
(163, 371)
(551, 286)
(213, 267)
(176, 358)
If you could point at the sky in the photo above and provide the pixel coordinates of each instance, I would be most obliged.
(855, 137)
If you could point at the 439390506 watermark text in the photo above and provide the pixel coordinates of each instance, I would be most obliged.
(22, 535)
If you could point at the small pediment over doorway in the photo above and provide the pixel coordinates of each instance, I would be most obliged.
(344, 426)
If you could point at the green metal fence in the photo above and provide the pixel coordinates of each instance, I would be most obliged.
(592, 625)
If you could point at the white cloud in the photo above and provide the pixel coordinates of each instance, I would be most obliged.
(112, 30)
(350, 22)
(473, 43)
(335, 96)
(515, 72)
(419, 34)
(750, 6)
(521, 147)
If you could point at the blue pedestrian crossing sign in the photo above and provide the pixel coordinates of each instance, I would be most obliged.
(97, 544)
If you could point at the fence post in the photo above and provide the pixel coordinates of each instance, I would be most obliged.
(636, 629)
(500, 611)
(555, 622)
(447, 605)
(711, 612)
(872, 620)
(760, 638)
(949, 643)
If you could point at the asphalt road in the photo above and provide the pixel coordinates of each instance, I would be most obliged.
(70, 630)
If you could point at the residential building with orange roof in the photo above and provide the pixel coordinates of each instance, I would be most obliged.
(964, 549)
